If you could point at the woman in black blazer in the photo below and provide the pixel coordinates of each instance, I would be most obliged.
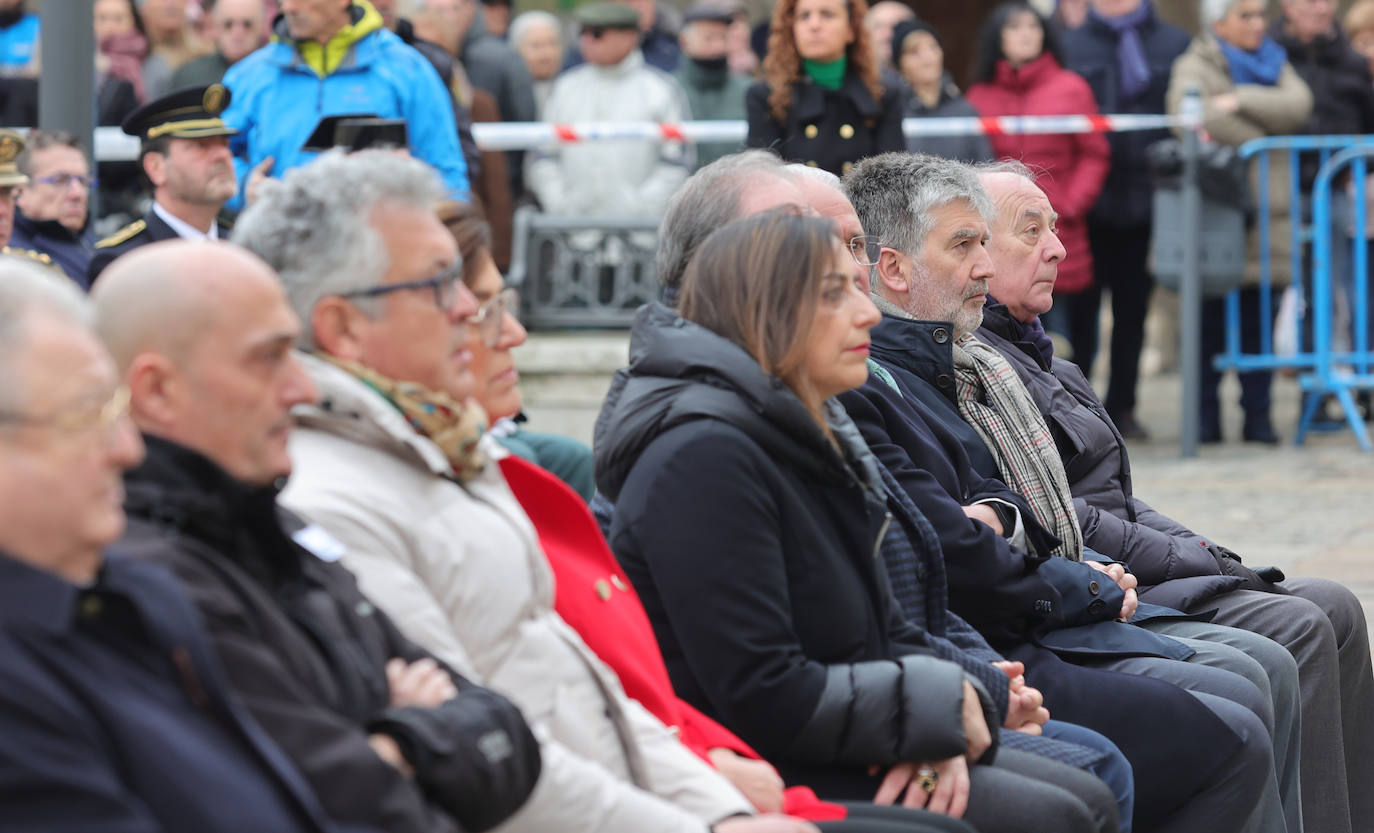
(822, 101)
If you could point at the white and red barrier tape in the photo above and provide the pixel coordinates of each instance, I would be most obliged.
(517, 136)
(112, 145)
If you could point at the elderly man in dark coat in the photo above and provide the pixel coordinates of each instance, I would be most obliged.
(114, 710)
(387, 736)
(1321, 623)
(930, 282)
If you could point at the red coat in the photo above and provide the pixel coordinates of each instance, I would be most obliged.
(594, 596)
(1072, 167)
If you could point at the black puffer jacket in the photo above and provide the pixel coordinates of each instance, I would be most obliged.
(1172, 563)
(752, 543)
(306, 652)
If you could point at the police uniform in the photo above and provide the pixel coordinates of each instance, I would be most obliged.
(11, 145)
(192, 113)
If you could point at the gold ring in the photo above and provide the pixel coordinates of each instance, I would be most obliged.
(927, 778)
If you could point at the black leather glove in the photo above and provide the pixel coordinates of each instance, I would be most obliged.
(474, 756)
(1263, 579)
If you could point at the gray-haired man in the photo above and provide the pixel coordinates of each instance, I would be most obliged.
(935, 382)
(394, 463)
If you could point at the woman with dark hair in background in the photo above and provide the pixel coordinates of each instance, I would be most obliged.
(1019, 72)
(822, 101)
(919, 56)
(748, 512)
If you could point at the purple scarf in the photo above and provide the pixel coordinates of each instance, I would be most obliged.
(1134, 66)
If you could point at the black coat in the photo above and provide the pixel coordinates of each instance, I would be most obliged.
(307, 653)
(1342, 92)
(752, 544)
(1011, 597)
(116, 715)
(1029, 605)
(1091, 51)
(830, 129)
(1170, 561)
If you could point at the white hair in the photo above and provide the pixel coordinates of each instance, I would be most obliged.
(28, 290)
(1211, 11)
(525, 22)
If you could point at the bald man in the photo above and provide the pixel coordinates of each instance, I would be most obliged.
(204, 335)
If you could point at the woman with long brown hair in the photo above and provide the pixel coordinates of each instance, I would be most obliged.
(748, 512)
(821, 101)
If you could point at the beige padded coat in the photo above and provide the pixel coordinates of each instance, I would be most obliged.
(459, 569)
(1263, 111)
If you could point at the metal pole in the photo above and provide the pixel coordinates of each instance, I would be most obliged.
(66, 98)
(1190, 289)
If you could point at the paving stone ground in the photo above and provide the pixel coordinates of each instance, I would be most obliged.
(1308, 510)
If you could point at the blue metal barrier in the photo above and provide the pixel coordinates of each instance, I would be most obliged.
(1329, 373)
(1314, 357)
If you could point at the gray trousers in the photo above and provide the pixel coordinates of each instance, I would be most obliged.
(1025, 793)
(1221, 677)
(1323, 626)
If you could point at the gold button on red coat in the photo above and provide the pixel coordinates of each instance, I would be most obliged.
(603, 589)
(619, 584)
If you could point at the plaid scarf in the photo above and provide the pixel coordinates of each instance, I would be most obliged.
(992, 399)
(455, 427)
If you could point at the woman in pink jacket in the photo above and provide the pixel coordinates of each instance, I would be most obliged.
(1019, 73)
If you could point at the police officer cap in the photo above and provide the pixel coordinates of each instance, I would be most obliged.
(11, 145)
(192, 113)
(607, 16)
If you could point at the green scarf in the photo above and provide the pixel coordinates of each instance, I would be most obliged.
(827, 74)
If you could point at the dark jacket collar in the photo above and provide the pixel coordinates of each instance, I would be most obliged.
(681, 372)
(808, 99)
(49, 229)
(1328, 48)
(191, 495)
(32, 596)
(922, 348)
(1030, 339)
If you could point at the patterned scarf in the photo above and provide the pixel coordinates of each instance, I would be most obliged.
(993, 400)
(453, 426)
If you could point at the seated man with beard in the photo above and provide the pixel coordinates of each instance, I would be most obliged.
(930, 280)
(1321, 623)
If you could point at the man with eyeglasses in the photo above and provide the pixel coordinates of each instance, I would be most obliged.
(113, 706)
(239, 27)
(387, 736)
(185, 155)
(394, 461)
(54, 206)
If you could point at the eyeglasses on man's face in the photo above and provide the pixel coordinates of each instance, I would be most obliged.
(64, 181)
(78, 420)
(491, 315)
(865, 248)
(444, 286)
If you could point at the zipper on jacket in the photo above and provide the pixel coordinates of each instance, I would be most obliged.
(882, 533)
